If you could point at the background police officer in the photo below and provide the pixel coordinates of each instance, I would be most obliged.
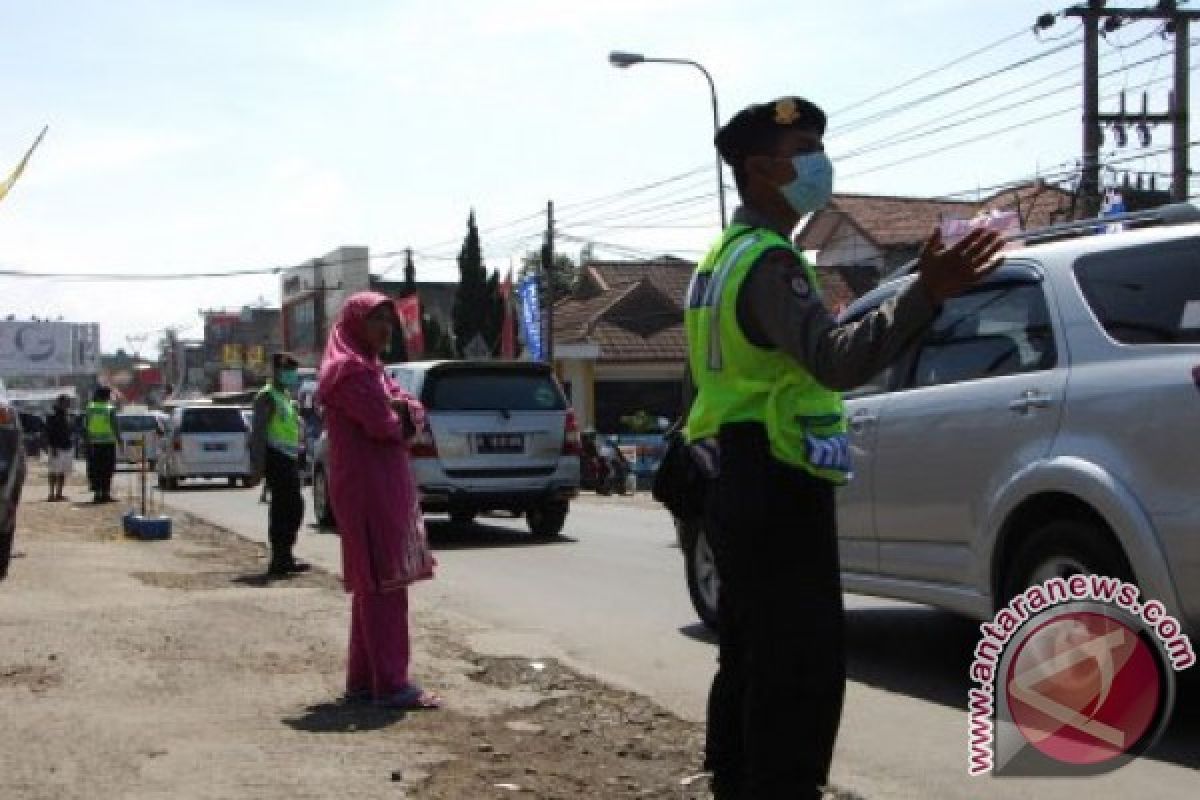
(102, 433)
(275, 452)
(767, 362)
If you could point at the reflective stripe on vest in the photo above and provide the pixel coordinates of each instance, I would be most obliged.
(738, 381)
(283, 429)
(99, 423)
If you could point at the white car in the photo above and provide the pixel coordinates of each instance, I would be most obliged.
(205, 441)
(141, 430)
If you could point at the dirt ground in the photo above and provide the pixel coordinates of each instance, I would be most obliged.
(133, 669)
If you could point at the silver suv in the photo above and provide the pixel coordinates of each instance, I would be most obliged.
(500, 437)
(1048, 424)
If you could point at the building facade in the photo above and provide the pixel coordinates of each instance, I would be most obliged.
(237, 347)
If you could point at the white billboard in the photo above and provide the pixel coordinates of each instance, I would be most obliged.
(42, 347)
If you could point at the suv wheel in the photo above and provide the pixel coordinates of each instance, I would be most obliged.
(320, 492)
(547, 520)
(703, 581)
(1062, 549)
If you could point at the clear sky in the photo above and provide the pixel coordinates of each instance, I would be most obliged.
(212, 135)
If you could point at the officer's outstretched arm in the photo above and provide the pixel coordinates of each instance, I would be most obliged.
(779, 308)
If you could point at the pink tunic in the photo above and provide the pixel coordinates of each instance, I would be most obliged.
(371, 487)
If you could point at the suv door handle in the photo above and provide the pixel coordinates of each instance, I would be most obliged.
(1029, 400)
(860, 420)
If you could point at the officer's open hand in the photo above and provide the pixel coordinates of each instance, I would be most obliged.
(946, 272)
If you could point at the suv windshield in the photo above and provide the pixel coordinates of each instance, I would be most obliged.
(492, 390)
(212, 420)
(1145, 295)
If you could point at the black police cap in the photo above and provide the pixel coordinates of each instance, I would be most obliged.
(752, 130)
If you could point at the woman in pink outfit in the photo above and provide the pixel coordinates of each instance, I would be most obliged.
(370, 422)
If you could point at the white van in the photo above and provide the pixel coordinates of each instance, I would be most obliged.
(140, 429)
(205, 441)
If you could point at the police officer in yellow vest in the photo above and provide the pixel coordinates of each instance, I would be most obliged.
(102, 435)
(765, 367)
(275, 450)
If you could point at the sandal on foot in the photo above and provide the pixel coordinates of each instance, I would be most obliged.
(410, 698)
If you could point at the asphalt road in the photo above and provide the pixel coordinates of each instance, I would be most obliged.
(609, 598)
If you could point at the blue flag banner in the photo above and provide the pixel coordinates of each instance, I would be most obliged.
(531, 317)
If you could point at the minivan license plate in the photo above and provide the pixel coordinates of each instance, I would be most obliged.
(214, 447)
(494, 443)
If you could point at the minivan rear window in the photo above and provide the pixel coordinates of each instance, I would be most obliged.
(492, 390)
(135, 423)
(1145, 295)
(212, 420)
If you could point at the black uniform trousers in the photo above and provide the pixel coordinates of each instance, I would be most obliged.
(286, 512)
(776, 700)
(101, 464)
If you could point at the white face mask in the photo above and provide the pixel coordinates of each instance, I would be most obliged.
(813, 186)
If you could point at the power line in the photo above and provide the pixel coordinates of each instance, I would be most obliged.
(133, 277)
(970, 140)
(931, 72)
(908, 105)
(921, 130)
(693, 200)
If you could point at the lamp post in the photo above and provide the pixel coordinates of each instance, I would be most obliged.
(619, 58)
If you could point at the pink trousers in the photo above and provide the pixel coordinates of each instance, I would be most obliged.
(379, 649)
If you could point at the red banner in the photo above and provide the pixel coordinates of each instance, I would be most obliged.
(408, 309)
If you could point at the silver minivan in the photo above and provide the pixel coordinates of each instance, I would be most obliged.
(500, 437)
(204, 441)
(1046, 425)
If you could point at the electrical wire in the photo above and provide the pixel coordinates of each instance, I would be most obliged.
(921, 130)
(970, 140)
(910, 104)
(931, 72)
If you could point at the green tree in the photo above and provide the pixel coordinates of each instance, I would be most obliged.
(563, 274)
(438, 341)
(478, 310)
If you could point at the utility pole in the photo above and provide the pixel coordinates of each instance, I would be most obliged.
(1179, 106)
(547, 282)
(1089, 184)
(1177, 24)
(319, 306)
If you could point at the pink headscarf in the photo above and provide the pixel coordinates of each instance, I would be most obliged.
(347, 352)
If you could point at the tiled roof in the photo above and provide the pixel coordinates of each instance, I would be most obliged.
(885, 221)
(893, 221)
(632, 309)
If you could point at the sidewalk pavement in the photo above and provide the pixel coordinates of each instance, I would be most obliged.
(174, 669)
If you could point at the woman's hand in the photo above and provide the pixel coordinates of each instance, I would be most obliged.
(400, 406)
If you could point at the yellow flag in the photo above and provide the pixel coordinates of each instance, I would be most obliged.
(8, 182)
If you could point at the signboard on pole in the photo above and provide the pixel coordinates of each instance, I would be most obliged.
(46, 348)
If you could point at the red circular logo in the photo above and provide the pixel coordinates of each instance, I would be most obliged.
(1084, 688)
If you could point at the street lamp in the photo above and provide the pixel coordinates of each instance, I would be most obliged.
(624, 60)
